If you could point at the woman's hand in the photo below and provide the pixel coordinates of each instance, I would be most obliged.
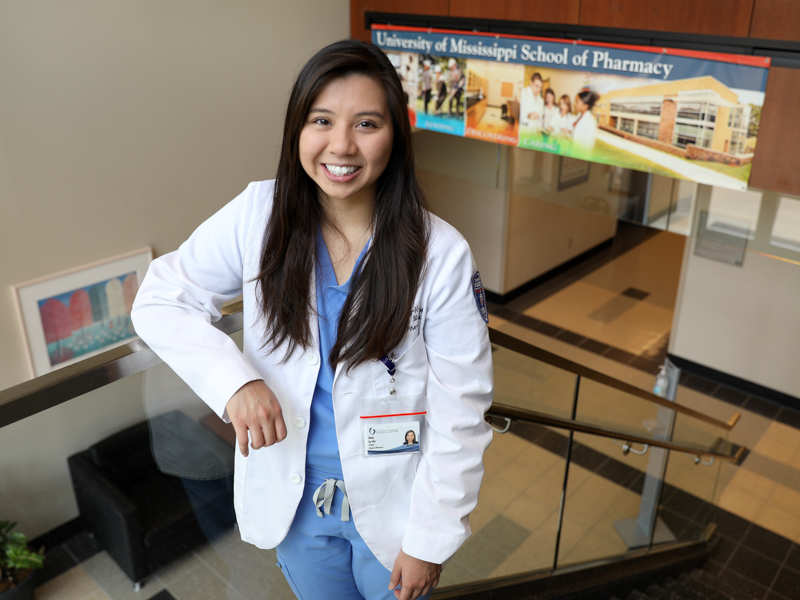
(255, 408)
(416, 577)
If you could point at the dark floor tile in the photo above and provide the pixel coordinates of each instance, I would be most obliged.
(722, 551)
(503, 313)
(767, 543)
(761, 407)
(547, 329)
(712, 568)
(593, 346)
(58, 560)
(677, 523)
(789, 417)
(743, 584)
(618, 472)
(793, 558)
(684, 503)
(163, 595)
(776, 596)
(752, 565)
(587, 457)
(526, 321)
(787, 583)
(619, 355)
(729, 525)
(569, 337)
(726, 394)
(637, 485)
(645, 364)
(553, 442)
(632, 292)
(83, 546)
(699, 384)
(528, 431)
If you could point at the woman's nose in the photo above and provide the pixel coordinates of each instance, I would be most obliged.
(342, 141)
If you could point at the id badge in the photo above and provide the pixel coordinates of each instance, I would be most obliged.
(393, 425)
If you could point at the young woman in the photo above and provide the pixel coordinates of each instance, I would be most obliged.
(358, 303)
(550, 111)
(584, 131)
(562, 123)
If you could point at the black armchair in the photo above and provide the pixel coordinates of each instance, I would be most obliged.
(144, 517)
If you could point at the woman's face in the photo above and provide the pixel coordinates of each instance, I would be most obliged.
(346, 141)
(580, 106)
(563, 106)
(549, 100)
(411, 437)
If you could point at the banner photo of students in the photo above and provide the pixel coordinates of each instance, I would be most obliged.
(680, 113)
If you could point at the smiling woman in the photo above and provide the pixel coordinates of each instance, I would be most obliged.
(354, 296)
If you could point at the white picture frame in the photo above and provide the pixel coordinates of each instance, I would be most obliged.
(72, 315)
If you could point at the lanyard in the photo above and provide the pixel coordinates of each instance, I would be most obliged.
(390, 368)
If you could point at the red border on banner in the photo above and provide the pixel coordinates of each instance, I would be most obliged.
(739, 59)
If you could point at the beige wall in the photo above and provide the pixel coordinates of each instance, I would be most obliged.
(744, 320)
(125, 124)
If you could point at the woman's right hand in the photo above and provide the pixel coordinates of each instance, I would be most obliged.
(255, 408)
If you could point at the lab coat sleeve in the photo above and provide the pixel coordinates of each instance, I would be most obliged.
(183, 292)
(460, 389)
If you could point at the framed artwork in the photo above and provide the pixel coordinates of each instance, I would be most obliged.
(572, 171)
(75, 314)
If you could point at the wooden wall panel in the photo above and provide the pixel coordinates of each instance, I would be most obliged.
(536, 11)
(709, 17)
(776, 20)
(411, 7)
(775, 166)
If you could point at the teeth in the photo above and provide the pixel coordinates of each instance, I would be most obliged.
(340, 170)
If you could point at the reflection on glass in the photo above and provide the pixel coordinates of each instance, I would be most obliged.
(515, 523)
(604, 489)
(786, 228)
(734, 213)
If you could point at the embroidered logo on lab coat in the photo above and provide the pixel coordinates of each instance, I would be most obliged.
(480, 296)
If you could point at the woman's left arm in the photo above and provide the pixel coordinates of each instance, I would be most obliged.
(459, 391)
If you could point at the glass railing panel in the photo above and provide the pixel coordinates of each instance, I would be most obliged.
(514, 525)
(527, 383)
(603, 496)
(607, 407)
(690, 493)
(148, 468)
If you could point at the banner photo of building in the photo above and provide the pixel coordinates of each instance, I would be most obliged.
(680, 113)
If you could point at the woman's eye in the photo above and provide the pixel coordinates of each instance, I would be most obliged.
(320, 121)
(366, 124)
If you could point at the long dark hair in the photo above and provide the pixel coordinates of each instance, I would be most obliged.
(376, 313)
(589, 98)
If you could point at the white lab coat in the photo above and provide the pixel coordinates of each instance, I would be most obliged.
(584, 132)
(528, 103)
(419, 501)
(561, 123)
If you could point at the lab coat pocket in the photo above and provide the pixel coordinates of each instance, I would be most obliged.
(391, 426)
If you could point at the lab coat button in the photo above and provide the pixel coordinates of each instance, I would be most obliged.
(295, 478)
(312, 359)
(299, 422)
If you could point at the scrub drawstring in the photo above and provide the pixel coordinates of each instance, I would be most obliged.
(325, 499)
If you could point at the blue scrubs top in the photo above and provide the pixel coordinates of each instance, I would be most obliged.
(322, 451)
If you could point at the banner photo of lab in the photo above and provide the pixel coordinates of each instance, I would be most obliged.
(405, 63)
(695, 128)
(493, 95)
(440, 101)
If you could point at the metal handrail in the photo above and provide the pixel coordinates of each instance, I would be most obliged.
(526, 349)
(43, 392)
(513, 413)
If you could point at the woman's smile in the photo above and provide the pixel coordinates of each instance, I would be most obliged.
(347, 138)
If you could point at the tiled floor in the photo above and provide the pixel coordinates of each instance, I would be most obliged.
(228, 568)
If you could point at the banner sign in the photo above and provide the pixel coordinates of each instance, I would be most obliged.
(679, 113)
